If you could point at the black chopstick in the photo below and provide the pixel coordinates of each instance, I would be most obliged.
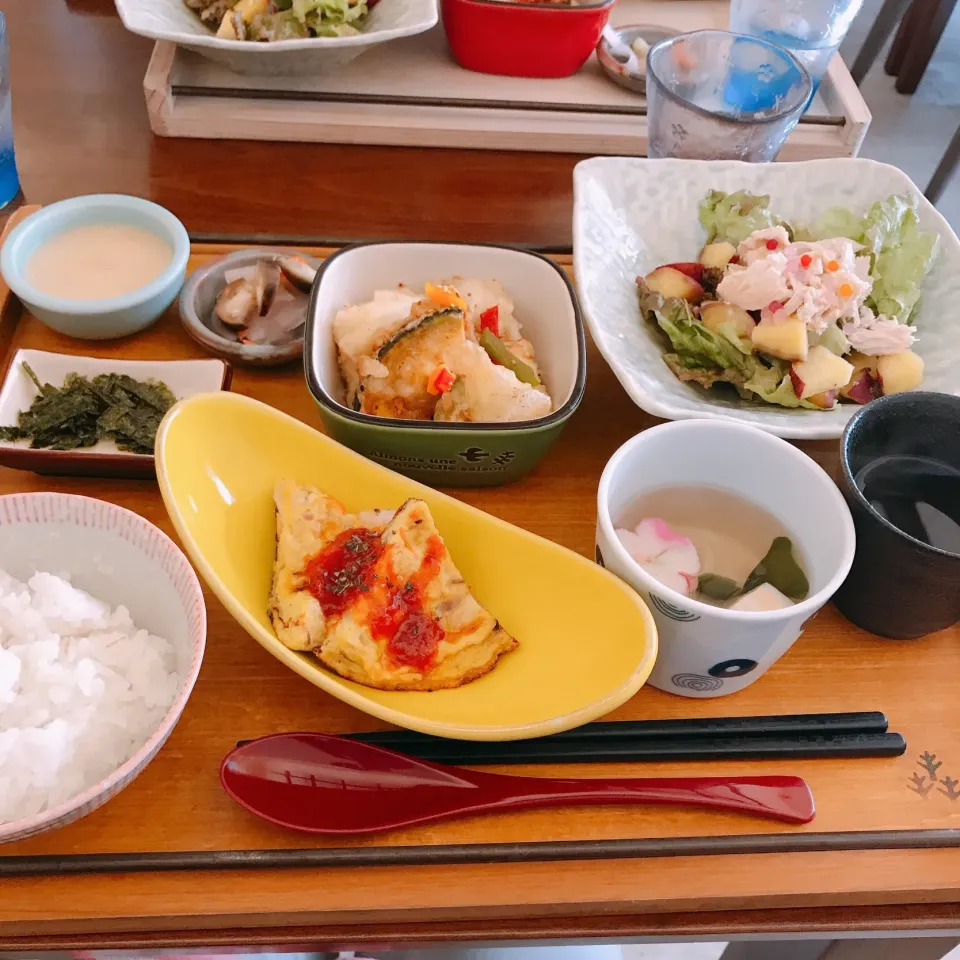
(653, 750)
(788, 737)
(638, 730)
(663, 749)
(791, 737)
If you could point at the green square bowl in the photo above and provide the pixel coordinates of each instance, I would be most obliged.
(449, 454)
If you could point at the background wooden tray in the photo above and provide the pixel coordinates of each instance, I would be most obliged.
(865, 807)
(411, 93)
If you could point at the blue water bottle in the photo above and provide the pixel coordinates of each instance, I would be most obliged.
(9, 181)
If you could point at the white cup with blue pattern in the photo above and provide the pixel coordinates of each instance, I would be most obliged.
(709, 651)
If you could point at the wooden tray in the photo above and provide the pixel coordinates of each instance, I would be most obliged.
(411, 93)
(884, 833)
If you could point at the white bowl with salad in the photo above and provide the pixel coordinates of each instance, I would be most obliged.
(278, 37)
(781, 295)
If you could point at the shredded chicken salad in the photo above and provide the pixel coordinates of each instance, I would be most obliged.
(791, 315)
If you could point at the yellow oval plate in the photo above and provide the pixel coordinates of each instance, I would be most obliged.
(587, 641)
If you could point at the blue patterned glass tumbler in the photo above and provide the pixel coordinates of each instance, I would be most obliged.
(811, 30)
(714, 95)
(9, 181)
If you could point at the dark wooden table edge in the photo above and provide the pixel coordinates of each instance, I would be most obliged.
(289, 239)
(477, 853)
(306, 240)
(827, 922)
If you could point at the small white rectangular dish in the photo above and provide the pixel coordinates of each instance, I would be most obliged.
(632, 215)
(172, 20)
(185, 378)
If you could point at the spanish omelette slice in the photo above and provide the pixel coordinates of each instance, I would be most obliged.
(384, 606)
(307, 521)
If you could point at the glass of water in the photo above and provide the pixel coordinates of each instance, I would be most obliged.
(810, 29)
(9, 181)
(714, 95)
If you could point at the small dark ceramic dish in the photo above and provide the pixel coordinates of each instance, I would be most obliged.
(199, 296)
(899, 586)
(185, 378)
(615, 70)
(450, 454)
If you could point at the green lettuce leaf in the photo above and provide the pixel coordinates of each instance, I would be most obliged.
(773, 385)
(734, 216)
(695, 345)
(882, 225)
(327, 17)
(834, 339)
(902, 255)
(836, 222)
(706, 377)
(704, 357)
(276, 26)
(323, 28)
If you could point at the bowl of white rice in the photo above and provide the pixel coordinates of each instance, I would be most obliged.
(102, 631)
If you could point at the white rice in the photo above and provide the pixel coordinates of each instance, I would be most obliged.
(81, 690)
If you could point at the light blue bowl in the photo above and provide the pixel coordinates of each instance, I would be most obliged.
(114, 316)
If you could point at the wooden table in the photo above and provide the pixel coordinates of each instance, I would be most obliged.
(81, 128)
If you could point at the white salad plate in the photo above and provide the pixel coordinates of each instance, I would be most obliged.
(173, 20)
(632, 215)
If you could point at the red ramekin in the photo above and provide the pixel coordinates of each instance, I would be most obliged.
(523, 39)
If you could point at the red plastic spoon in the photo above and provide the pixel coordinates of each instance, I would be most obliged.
(324, 784)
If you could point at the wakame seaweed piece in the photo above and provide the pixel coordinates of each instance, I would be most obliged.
(780, 569)
(44, 388)
(715, 587)
(77, 433)
(62, 411)
(133, 429)
(81, 412)
(85, 436)
(77, 382)
(108, 389)
(149, 392)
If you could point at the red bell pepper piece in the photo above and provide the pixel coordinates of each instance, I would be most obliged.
(440, 381)
(490, 320)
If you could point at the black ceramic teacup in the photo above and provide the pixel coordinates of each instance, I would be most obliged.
(904, 450)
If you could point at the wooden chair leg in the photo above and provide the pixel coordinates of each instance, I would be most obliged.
(921, 50)
(890, 14)
(945, 169)
(905, 33)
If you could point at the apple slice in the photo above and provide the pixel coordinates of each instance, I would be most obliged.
(712, 315)
(692, 269)
(670, 282)
(899, 372)
(821, 372)
(863, 387)
(825, 401)
(786, 339)
(863, 361)
(717, 255)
